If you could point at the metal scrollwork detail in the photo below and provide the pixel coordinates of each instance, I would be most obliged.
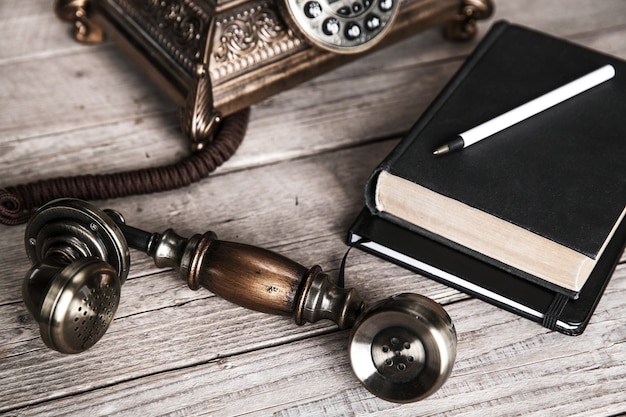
(198, 117)
(268, 26)
(176, 16)
(249, 37)
(179, 26)
(237, 38)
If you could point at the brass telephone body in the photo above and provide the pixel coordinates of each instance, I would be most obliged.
(215, 57)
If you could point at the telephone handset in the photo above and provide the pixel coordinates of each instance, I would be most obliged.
(216, 57)
(402, 349)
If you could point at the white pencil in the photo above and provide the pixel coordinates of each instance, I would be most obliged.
(527, 110)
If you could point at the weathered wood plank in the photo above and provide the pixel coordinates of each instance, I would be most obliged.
(162, 326)
(31, 31)
(523, 370)
(154, 306)
(294, 186)
(102, 115)
(223, 205)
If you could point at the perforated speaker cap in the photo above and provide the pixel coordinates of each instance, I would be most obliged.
(402, 349)
(81, 303)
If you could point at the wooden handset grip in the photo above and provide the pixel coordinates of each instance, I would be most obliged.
(250, 276)
(246, 275)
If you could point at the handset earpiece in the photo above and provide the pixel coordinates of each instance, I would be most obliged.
(80, 261)
(402, 349)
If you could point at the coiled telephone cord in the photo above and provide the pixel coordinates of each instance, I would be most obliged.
(17, 202)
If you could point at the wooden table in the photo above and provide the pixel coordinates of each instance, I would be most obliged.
(294, 187)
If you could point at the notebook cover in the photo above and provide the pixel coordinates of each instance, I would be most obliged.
(560, 174)
(482, 280)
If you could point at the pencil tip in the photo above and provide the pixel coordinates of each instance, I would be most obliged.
(441, 150)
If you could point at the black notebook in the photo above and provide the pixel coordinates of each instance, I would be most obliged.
(540, 200)
(485, 281)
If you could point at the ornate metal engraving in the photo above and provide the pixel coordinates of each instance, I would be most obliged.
(214, 60)
(198, 118)
(249, 36)
(178, 26)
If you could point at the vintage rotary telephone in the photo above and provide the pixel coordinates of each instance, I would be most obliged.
(215, 58)
(402, 349)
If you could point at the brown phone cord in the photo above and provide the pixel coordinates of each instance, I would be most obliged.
(18, 202)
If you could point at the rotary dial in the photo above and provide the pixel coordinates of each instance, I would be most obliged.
(346, 26)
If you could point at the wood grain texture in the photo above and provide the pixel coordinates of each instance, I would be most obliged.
(294, 187)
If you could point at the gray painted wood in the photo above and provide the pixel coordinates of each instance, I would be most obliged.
(294, 187)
